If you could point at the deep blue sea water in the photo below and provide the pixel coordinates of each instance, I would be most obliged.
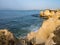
(20, 22)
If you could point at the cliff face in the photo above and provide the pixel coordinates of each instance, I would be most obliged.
(46, 32)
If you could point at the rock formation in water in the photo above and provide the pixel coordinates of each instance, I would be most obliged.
(45, 34)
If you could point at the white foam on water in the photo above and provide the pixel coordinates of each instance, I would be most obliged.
(34, 28)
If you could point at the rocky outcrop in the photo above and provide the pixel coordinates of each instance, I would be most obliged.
(56, 38)
(46, 32)
(7, 38)
(49, 13)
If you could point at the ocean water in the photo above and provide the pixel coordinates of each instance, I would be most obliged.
(20, 22)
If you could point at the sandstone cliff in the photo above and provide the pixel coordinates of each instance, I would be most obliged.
(44, 35)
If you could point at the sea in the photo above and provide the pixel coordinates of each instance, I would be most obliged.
(20, 22)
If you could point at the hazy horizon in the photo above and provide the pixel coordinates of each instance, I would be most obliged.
(29, 4)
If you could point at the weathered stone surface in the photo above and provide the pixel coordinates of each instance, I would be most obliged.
(7, 38)
(44, 34)
(49, 13)
(56, 38)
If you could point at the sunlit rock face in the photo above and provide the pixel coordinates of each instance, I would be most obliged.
(44, 33)
(45, 13)
(46, 29)
(7, 38)
(54, 38)
(50, 41)
(30, 35)
(49, 13)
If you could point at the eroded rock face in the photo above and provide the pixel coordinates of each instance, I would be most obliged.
(30, 35)
(56, 38)
(44, 34)
(49, 13)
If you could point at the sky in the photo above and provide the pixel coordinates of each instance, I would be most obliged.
(29, 4)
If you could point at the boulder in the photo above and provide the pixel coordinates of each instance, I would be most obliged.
(7, 38)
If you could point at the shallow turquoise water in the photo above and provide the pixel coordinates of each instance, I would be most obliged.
(20, 22)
